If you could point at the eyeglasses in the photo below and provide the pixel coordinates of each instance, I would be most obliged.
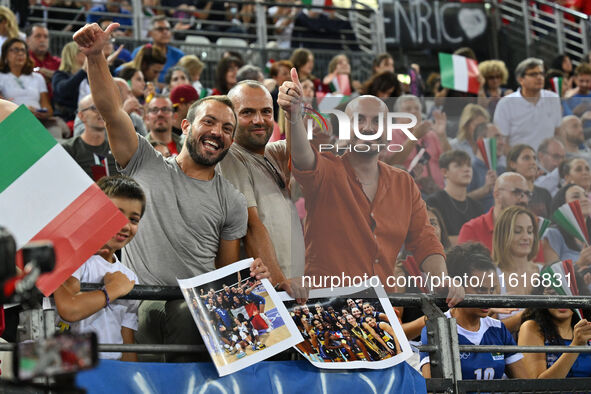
(91, 108)
(520, 192)
(155, 110)
(535, 75)
(162, 29)
(275, 173)
(17, 50)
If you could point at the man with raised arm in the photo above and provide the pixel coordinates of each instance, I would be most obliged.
(360, 210)
(194, 218)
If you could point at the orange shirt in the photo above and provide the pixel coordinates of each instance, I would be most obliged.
(347, 234)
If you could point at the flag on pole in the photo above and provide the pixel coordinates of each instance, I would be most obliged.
(459, 73)
(543, 224)
(45, 195)
(268, 66)
(562, 276)
(340, 84)
(488, 149)
(570, 218)
(556, 83)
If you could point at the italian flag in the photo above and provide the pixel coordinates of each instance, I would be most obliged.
(562, 277)
(570, 218)
(556, 83)
(340, 84)
(459, 73)
(488, 149)
(45, 195)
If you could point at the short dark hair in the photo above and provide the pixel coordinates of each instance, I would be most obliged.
(277, 65)
(454, 156)
(124, 187)
(158, 18)
(221, 70)
(467, 258)
(514, 153)
(220, 99)
(127, 73)
(29, 29)
(380, 58)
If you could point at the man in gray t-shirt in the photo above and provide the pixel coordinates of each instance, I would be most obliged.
(194, 218)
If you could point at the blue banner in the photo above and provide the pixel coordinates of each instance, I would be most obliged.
(271, 377)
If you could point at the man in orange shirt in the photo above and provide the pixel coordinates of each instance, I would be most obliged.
(360, 210)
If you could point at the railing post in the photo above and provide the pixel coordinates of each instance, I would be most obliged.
(138, 19)
(495, 21)
(261, 22)
(584, 26)
(527, 32)
(559, 17)
(379, 30)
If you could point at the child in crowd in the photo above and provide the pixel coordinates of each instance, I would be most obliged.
(113, 320)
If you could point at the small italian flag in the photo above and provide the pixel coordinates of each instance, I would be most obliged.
(459, 73)
(543, 225)
(45, 195)
(268, 66)
(556, 83)
(340, 84)
(488, 149)
(562, 278)
(570, 218)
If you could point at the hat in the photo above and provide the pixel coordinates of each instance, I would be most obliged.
(183, 94)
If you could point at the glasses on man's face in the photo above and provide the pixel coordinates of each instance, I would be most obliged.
(520, 193)
(91, 108)
(535, 74)
(17, 50)
(162, 29)
(155, 110)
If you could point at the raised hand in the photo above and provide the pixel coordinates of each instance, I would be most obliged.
(91, 39)
(290, 96)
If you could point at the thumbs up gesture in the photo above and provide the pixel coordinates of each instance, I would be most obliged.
(290, 96)
(91, 38)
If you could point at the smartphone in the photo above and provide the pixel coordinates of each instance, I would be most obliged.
(43, 110)
(59, 355)
(404, 78)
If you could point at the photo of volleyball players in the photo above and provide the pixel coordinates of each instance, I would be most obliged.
(242, 320)
(350, 329)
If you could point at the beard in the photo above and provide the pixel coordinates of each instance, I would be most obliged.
(200, 158)
(248, 140)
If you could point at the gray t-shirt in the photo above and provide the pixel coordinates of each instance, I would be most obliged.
(88, 156)
(260, 181)
(185, 219)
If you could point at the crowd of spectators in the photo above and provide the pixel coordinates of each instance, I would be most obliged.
(441, 182)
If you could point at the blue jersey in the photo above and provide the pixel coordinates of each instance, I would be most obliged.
(257, 299)
(225, 317)
(581, 367)
(481, 366)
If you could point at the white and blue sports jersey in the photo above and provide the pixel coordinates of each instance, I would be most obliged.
(481, 366)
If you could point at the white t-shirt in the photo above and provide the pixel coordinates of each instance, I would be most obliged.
(25, 89)
(525, 122)
(107, 322)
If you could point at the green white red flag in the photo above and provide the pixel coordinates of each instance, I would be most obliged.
(488, 149)
(45, 195)
(562, 276)
(459, 73)
(570, 218)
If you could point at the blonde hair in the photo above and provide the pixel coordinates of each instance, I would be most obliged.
(192, 64)
(489, 67)
(470, 112)
(11, 26)
(69, 63)
(504, 232)
(332, 65)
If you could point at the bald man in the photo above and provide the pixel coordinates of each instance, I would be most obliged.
(571, 133)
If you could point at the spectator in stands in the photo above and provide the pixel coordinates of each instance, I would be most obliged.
(66, 82)
(44, 61)
(303, 60)
(483, 178)
(91, 149)
(283, 17)
(279, 73)
(559, 244)
(61, 15)
(194, 67)
(135, 79)
(575, 170)
(339, 76)
(453, 202)
(225, 75)
(578, 100)
(522, 159)
(175, 76)
(510, 189)
(363, 239)
(383, 85)
(182, 97)
(564, 64)
(19, 84)
(550, 154)
(114, 7)
(472, 116)
(159, 124)
(8, 26)
(382, 62)
(260, 170)
(100, 311)
(150, 60)
(571, 134)
(161, 36)
(515, 245)
(160, 147)
(563, 327)
(474, 325)
(494, 75)
(531, 114)
(215, 214)
(250, 72)
(124, 55)
(431, 143)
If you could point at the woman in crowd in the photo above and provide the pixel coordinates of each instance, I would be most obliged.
(522, 159)
(8, 25)
(174, 77)
(382, 85)
(194, 67)
(576, 170)
(563, 327)
(303, 61)
(495, 75)
(564, 64)
(66, 81)
(136, 82)
(560, 245)
(474, 325)
(150, 60)
(339, 67)
(225, 74)
(515, 245)
(471, 116)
